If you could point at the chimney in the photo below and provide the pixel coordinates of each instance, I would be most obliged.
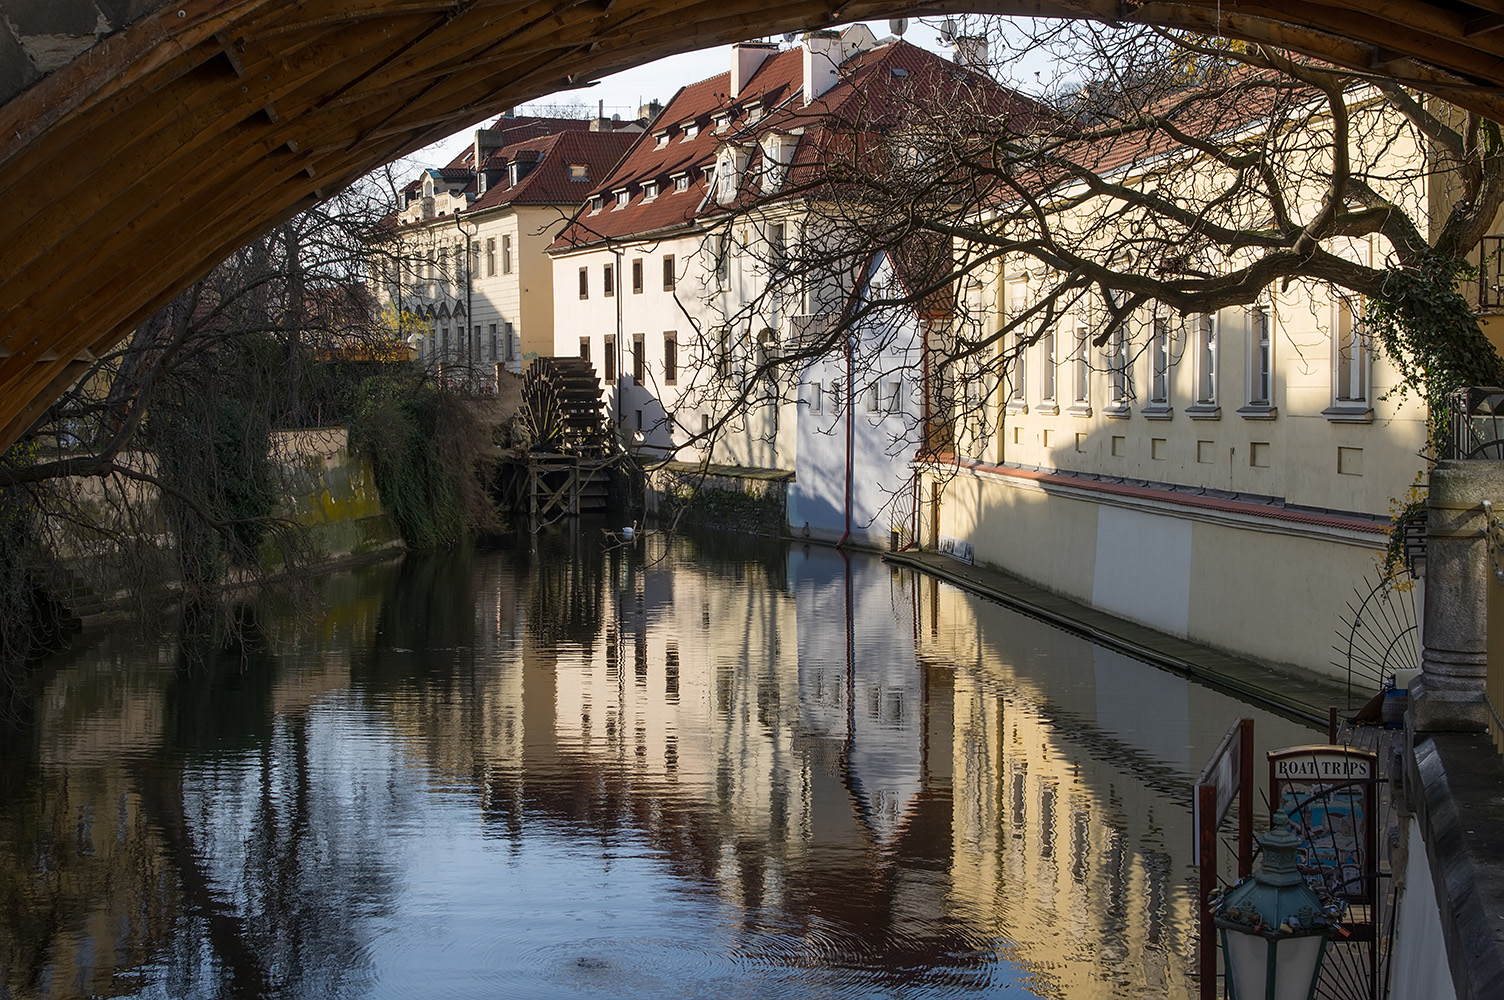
(822, 59)
(746, 57)
(971, 52)
(486, 140)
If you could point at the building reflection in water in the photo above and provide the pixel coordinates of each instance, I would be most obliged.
(842, 777)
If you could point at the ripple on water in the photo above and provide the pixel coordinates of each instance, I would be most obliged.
(822, 962)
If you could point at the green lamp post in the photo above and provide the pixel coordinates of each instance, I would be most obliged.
(1274, 927)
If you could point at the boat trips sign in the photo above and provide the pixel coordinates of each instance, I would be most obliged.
(1321, 763)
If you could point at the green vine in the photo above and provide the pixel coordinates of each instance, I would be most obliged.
(1430, 331)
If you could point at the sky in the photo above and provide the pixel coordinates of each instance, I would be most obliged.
(624, 92)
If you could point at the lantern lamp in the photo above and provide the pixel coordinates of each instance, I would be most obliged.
(1274, 927)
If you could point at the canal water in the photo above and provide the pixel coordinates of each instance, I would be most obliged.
(695, 768)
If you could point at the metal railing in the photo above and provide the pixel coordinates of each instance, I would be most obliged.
(1475, 424)
(1491, 273)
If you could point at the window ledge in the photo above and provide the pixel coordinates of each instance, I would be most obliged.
(1079, 409)
(1349, 413)
(1204, 411)
(1258, 411)
(1158, 411)
(1017, 406)
(1048, 409)
(1117, 411)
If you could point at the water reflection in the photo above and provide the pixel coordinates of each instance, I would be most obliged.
(722, 769)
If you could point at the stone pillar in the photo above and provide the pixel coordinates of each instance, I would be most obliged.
(1448, 694)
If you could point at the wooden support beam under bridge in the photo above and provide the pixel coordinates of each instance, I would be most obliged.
(138, 148)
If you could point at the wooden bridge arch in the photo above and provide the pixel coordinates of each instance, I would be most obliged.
(142, 141)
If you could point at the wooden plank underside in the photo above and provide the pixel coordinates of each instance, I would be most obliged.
(133, 171)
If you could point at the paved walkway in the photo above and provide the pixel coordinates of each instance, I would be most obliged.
(1295, 695)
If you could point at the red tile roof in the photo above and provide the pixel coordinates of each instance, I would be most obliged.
(876, 91)
(550, 146)
(549, 183)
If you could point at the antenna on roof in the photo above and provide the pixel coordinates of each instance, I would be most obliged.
(789, 36)
(898, 25)
(947, 32)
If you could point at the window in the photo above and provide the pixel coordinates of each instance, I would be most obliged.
(490, 256)
(608, 279)
(639, 372)
(1351, 354)
(723, 257)
(1206, 360)
(1261, 355)
(579, 171)
(650, 191)
(475, 343)
(493, 355)
(778, 255)
(596, 203)
(681, 182)
(668, 272)
(622, 197)
(1047, 367)
(891, 396)
(1082, 388)
(1118, 359)
(474, 262)
(585, 348)
(608, 359)
(506, 255)
(723, 352)
(636, 275)
(1159, 362)
(814, 393)
(1019, 372)
(670, 358)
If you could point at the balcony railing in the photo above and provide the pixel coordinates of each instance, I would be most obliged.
(1475, 424)
(1491, 273)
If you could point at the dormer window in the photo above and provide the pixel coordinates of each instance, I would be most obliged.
(777, 153)
(722, 122)
(428, 186)
(662, 138)
(622, 197)
(729, 164)
(650, 191)
(596, 203)
(579, 171)
(681, 182)
(691, 130)
(480, 182)
(514, 173)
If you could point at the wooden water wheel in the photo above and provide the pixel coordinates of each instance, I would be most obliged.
(563, 406)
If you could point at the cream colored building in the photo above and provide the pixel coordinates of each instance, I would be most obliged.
(469, 281)
(1225, 478)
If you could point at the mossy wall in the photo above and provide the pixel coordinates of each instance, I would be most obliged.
(331, 493)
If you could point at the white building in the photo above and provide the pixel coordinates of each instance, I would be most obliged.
(669, 278)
